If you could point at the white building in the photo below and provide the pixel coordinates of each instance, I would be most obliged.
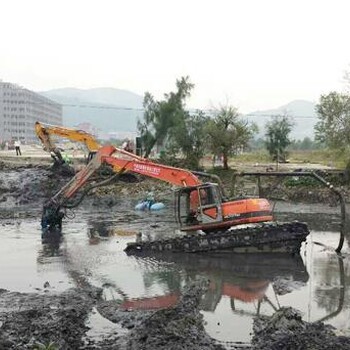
(20, 108)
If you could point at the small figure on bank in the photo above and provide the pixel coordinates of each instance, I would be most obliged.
(139, 237)
(18, 147)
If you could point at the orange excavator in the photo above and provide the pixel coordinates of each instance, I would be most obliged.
(45, 131)
(199, 207)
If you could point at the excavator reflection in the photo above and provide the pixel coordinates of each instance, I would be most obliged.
(247, 280)
(342, 292)
(241, 278)
(101, 230)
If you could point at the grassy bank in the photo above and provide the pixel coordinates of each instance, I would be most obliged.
(323, 157)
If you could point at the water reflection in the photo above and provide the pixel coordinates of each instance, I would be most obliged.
(244, 278)
(340, 297)
(241, 286)
(100, 230)
(51, 245)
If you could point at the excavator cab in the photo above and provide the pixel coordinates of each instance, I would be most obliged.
(198, 207)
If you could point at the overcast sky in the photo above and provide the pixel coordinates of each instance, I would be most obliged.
(256, 54)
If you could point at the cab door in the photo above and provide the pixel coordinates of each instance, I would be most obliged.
(210, 210)
(198, 206)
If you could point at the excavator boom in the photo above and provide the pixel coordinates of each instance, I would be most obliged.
(122, 161)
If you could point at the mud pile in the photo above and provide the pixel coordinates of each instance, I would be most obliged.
(24, 185)
(176, 328)
(132, 187)
(126, 318)
(29, 319)
(305, 195)
(286, 330)
(27, 184)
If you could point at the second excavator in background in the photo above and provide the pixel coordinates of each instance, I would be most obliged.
(46, 131)
(201, 209)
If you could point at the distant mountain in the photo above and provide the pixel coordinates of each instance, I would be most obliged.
(107, 109)
(115, 110)
(302, 112)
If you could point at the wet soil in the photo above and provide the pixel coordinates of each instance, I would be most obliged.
(25, 185)
(286, 330)
(27, 320)
(48, 316)
(24, 188)
(30, 319)
(180, 327)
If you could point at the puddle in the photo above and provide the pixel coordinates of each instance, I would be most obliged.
(101, 328)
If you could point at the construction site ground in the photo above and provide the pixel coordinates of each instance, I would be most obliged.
(81, 291)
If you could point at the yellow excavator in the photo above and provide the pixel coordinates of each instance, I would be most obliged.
(45, 132)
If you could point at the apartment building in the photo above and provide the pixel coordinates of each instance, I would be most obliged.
(20, 108)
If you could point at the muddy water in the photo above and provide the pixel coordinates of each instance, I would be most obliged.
(241, 287)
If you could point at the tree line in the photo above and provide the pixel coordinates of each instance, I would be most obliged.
(170, 130)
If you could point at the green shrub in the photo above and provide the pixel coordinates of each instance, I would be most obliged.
(49, 346)
(298, 181)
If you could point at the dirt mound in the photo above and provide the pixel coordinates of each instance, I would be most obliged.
(27, 184)
(176, 328)
(34, 319)
(286, 330)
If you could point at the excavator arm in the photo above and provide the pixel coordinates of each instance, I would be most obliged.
(121, 161)
(45, 131)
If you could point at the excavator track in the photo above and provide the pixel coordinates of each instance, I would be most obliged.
(267, 237)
